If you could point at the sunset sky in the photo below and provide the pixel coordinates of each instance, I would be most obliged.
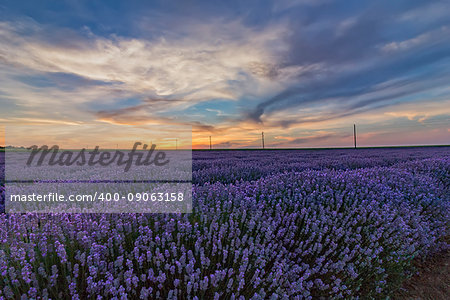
(108, 72)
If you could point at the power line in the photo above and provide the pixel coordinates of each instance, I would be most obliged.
(373, 127)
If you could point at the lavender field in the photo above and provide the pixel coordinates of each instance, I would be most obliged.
(281, 224)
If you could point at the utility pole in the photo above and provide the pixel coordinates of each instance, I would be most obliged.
(354, 134)
(262, 139)
(176, 144)
(210, 144)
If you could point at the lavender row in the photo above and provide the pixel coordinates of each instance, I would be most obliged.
(234, 165)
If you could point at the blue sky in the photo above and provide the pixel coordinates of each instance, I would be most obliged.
(301, 71)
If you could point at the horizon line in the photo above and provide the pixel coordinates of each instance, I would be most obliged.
(281, 148)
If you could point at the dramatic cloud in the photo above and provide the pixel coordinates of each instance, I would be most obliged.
(203, 65)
